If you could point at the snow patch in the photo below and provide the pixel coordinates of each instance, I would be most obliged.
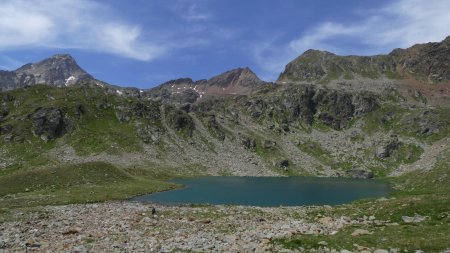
(119, 92)
(69, 80)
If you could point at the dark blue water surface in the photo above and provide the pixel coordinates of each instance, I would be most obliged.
(269, 191)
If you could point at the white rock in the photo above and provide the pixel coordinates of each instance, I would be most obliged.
(381, 251)
(359, 231)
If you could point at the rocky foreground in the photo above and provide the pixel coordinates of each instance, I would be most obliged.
(136, 227)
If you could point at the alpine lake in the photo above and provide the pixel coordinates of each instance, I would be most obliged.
(268, 191)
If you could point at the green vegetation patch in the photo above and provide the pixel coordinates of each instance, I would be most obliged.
(81, 183)
(403, 237)
(316, 150)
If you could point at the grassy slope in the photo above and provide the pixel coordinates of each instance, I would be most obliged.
(81, 183)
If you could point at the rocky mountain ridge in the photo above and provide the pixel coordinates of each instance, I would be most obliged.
(429, 63)
(240, 81)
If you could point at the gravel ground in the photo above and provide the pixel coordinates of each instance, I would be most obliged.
(131, 227)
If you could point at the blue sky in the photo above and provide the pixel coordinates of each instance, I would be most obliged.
(143, 43)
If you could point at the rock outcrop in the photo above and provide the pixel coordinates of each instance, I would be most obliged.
(305, 104)
(48, 123)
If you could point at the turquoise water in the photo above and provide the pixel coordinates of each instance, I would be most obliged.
(269, 191)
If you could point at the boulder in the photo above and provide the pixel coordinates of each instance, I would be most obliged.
(387, 147)
(380, 251)
(80, 110)
(248, 143)
(48, 123)
(360, 173)
(123, 116)
(360, 231)
(268, 144)
(414, 219)
(283, 163)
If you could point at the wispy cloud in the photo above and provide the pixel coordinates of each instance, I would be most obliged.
(191, 10)
(79, 24)
(398, 24)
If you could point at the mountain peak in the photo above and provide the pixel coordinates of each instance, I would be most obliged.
(62, 56)
(239, 76)
(58, 70)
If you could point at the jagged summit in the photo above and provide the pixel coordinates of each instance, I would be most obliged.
(59, 70)
(427, 62)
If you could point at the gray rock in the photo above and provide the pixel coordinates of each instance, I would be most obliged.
(268, 144)
(283, 163)
(415, 219)
(380, 251)
(360, 231)
(360, 173)
(123, 117)
(48, 123)
(386, 148)
(248, 143)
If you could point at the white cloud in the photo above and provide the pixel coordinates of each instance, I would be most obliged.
(79, 24)
(398, 24)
